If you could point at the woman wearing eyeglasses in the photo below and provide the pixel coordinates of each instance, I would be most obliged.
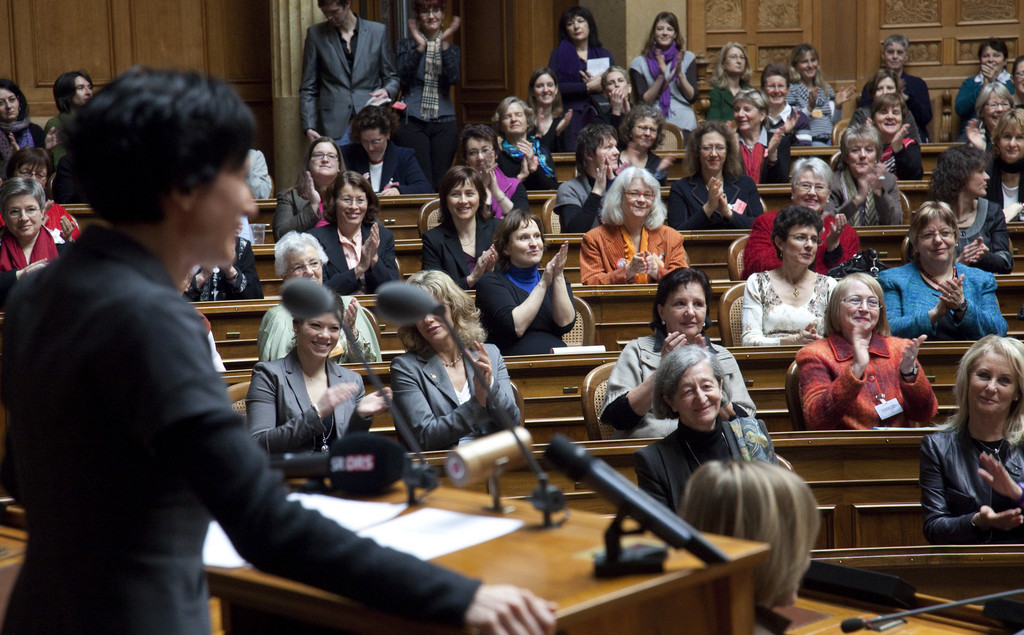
(633, 244)
(390, 169)
(522, 156)
(301, 207)
(858, 377)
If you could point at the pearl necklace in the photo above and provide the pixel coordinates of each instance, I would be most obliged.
(454, 363)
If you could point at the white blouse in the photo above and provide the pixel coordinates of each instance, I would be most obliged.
(767, 319)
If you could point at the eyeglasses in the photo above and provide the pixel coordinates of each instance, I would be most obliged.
(17, 212)
(715, 149)
(945, 234)
(472, 154)
(999, 105)
(855, 301)
(635, 196)
(374, 142)
(432, 10)
(650, 129)
(348, 202)
(29, 174)
(807, 188)
(1019, 75)
(320, 156)
(803, 238)
(311, 265)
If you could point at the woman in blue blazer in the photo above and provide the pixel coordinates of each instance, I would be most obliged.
(390, 169)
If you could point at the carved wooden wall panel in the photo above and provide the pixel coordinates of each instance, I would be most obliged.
(911, 12)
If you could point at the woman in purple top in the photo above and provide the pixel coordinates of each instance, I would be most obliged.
(578, 44)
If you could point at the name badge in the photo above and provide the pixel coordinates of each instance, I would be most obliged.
(889, 408)
(816, 113)
(739, 206)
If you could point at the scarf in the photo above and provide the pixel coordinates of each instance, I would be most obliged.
(526, 279)
(22, 134)
(753, 159)
(631, 251)
(13, 257)
(1009, 168)
(889, 157)
(431, 75)
(672, 58)
(517, 154)
(568, 60)
(868, 214)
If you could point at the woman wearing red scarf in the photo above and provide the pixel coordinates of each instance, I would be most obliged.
(24, 247)
(765, 154)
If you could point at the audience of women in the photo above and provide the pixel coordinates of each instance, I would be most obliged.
(795, 123)
(811, 180)
(390, 169)
(765, 153)
(428, 66)
(552, 118)
(525, 309)
(764, 503)
(640, 132)
(24, 245)
(632, 244)
(239, 281)
(71, 91)
(970, 470)
(690, 388)
(1007, 163)
(434, 389)
(810, 93)
(521, 155)
(993, 101)
(858, 377)
(895, 52)
(578, 200)
(730, 75)
(480, 151)
(885, 82)
(992, 54)
(301, 207)
(34, 163)
(461, 245)
(786, 305)
(578, 47)
(715, 193)
(862, 189)
(361, 250)
(934, 295)
(960, 181)
(301, 256)
(680, 317)
(16, 129)
(901, 155)
(304, 401)
(665, 73)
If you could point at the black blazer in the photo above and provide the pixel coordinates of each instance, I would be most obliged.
(337, 275)
(687, 197)
(400, 166)
(443, 251)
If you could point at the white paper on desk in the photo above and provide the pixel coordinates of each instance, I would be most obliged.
(352, 515)
(598, 65)
(430, 533)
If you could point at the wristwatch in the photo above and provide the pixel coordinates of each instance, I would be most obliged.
(962, 307)
(912, 374)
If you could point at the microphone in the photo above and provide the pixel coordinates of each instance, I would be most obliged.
(580, 465)
(493, 454)
(359, 464)
(306, 299)
(855, 623)
(405, 304)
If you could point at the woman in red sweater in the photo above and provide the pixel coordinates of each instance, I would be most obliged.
(858, 377)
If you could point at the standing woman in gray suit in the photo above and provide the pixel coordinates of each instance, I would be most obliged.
(428, 66)
(303, 401)
(432, 385)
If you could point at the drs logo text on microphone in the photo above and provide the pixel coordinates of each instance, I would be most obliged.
(353, 463)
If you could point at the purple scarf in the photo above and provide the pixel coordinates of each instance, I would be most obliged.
(568, 60)
(671, 58)
(22, 134)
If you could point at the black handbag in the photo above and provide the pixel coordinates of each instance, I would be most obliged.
(865, 262)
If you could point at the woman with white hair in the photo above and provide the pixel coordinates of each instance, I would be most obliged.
(690, 386)
(633, 244)
(298, 255)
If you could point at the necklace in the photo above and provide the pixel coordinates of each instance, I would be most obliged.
(328, 430)
(934, 282)
(992, 447)
(795, 285)
(453, 364)
(694, 455)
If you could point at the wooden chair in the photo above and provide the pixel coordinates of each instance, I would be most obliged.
(735, 261)
(237, 393)
(833, 161)
(398, 268)
(552, 221)
(905, 206)
(837, 130)
(430, 215)
(520, 402)
(595, 387)
(582, 333)
(673, 140)
(794, 403)
(730, 315)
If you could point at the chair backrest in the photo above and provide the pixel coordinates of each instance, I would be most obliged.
(730, 315)
(236, 394)
(582, 333)
(905, 250)
(595, 387)
(552, 221)
(398, 268)
(520, 402)
(794, 403)
(673, 140)
(838, 128)
(833, 161)
(430, 215)
(908, 213)
(735, 261)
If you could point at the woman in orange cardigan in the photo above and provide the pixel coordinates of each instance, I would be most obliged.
(633, 244)
(858, 377)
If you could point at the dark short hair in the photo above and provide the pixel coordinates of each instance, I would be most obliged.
(352, 179)
(876, 79)
(419, 6)
(383, 118)
(511, 222)
(32, 156)
(589, 139)
(326, 3)
(775, 69)
(635, 114)
(64, 88)
(996, 44)
(8, 84)
(479, 132)
(952, 170)
(681, 277)
(300, 178)
(150, 133)
(453, 178)
(890, 100)
(592, 41)
(794, 216)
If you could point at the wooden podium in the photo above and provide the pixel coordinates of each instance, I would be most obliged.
(556, 564)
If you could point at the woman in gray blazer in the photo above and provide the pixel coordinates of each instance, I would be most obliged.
(301, 207)
(304, 400)
(433, 388)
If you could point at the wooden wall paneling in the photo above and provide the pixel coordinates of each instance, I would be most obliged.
(169, 34)
(487, 59)
(884, 525)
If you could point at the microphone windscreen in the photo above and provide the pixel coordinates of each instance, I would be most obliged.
(852, 625)
(569, 457)
(365, 464)
(404, 304)
(300, 464)
(306, 299)
(474, 461)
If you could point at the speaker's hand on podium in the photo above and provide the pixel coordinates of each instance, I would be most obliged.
(505, 609)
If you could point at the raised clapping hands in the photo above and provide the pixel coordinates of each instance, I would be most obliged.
(832, 240)
(477, 356)
(52, 139)
(368, 255)
(909, 360)
(860, 339)
(973, 251)
(333, 396)
(993, 473)
(806, 335)
(556, 266)
(791, 122)
(717, 199)
(373, 403)
(974, 134)
(897, 139)
(484, 264)
(604, 177)
(844, 95)
(309, 191)
(951, 293)
(564, 123)
(870, 183)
